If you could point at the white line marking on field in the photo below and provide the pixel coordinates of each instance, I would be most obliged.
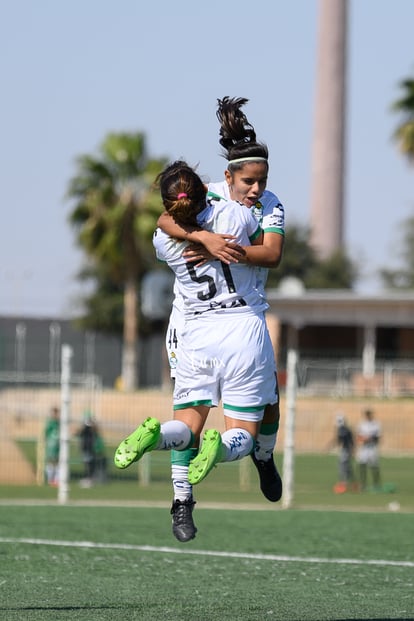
(245, 555)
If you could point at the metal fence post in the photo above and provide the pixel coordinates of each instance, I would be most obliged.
(289, 447)
(63, 490)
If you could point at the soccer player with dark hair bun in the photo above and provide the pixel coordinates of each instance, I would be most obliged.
(245, 180)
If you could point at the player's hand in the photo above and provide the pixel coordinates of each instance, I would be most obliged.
(198, 254)
(230, 253)
(218, 246)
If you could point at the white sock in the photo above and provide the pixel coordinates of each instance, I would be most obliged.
(182, 488)
(174, 435)
(237, 443)
(265, 445)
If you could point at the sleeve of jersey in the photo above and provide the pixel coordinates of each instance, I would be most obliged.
(253, 228)
(158, 241)
(274, 216)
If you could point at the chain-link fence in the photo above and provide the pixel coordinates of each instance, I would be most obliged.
(324, 387)
(345, 378)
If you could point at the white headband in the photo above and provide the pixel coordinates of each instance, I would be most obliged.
(248, 159)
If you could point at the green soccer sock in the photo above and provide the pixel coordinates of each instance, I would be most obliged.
(179, 472)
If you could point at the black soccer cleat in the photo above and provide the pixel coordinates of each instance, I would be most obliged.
(183, 527)
(270, 481)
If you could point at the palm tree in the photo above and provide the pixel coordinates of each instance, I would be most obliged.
(404, 134)
(115, 214)
(403, 278)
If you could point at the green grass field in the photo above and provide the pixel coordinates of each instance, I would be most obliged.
(315, 476)
(109, 554)
(115, 563)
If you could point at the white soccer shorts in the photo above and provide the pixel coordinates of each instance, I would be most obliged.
(227, 356)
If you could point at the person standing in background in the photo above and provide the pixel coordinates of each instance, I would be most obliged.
(344, 440)
(86, 436)
(368, 437)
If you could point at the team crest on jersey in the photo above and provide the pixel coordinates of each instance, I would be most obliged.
(257, 211)
(173, 360)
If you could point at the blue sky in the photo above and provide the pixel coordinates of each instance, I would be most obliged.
(74, 70)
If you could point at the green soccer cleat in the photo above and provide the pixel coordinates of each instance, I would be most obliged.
(208, 456)
(143, 439)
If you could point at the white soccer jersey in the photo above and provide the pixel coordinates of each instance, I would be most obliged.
(214, 286)
(268, 211)
(370, 432)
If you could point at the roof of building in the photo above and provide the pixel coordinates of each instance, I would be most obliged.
(341, 307)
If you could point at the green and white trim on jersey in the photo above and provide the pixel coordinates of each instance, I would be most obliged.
(216, 197)
(255, 235)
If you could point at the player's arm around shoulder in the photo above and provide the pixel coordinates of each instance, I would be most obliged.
(171, 227)
(217, 246)
(268, 253)
(272, 217)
